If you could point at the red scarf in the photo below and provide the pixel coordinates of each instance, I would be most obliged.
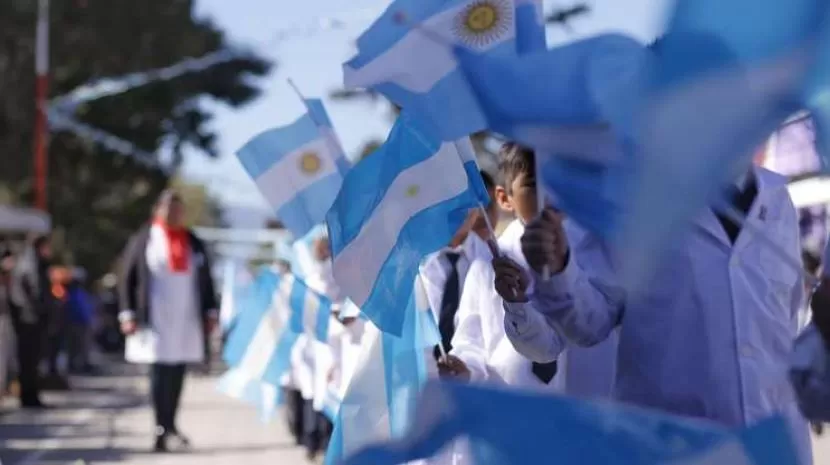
(178, 241)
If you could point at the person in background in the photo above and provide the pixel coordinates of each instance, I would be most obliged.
(109, 336)
(80, 309)
(166, 288)
(319, 278)
(6, 331)
(50, 297)
(30, 293)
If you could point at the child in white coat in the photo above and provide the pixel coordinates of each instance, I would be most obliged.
(481, 352)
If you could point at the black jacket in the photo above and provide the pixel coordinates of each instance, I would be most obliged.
(134, 278)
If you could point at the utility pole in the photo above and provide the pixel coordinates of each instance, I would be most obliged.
(41, 95)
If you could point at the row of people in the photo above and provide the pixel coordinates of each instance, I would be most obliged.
(710, 338)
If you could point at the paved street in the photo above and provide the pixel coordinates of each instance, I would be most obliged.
(106, 420)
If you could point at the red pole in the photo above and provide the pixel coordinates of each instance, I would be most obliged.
(41, 96)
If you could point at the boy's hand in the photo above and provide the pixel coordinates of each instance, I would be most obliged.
(511, 280)
(544, 243)
(452, 367)
(821, 310)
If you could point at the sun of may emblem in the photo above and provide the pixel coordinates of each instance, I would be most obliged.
(310, 163)
(412, 190)
(483, 22)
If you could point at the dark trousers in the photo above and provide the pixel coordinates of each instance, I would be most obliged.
(295, 414)
(166, 384)
(317, 427)
(29, 343)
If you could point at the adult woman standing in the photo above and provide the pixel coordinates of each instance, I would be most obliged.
(167, 298)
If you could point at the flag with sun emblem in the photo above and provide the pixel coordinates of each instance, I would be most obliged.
(298, 168)
(404, 201)
(407, 56)
(530, 26)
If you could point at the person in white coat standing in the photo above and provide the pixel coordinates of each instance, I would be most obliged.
(712, 335)
(167, 296)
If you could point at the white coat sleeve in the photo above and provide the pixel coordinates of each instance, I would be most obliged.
(470, 341)
(584, 302)
(532, 334)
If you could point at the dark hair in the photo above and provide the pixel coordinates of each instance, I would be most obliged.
(515, 160)
(489, 182)
(811, 262)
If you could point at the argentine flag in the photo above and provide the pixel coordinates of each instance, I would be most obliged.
(530, 26)
(402, 202)
(516, 427)
(379, 402)
(298, 168)
(279, 309)
(407, 56)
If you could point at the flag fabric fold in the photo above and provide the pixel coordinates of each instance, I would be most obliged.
(298, 168)
(279, 308)
(406, 55)
(508, 427)
(401, 203)
(380, 400)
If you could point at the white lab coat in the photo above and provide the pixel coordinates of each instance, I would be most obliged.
(711, 337)
(582, 371)
(434, 271)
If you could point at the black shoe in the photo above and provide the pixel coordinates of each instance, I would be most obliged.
(161, 443)
(34, 405)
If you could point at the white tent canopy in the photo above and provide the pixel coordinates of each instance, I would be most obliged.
(14, 219)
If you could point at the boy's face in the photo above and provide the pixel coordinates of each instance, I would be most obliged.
(519, 197)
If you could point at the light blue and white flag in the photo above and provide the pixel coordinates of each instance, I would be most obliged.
(401, 203)
(380, 400)
(513, 427)
(281, 308)
(238, 384)
(298, 168)
(407, 56)
(235, 282)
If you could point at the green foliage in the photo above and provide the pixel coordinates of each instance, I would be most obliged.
(97, 198)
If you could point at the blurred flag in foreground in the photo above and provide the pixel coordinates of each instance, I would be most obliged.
(407, 56)
(530, 26)
(381, 396)
(279, 308)
(510, 427)
(402, 202)
(298, 168)
(810, 375)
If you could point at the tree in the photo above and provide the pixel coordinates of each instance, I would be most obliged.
(484, 143)
(202, 209)
(98, 197)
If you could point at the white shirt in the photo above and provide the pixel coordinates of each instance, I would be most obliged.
(436, 268)
(479, 339)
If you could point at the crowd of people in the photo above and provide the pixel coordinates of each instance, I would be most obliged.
(539, 308)
(50, 318)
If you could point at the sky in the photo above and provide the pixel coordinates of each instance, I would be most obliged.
(312, 56)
